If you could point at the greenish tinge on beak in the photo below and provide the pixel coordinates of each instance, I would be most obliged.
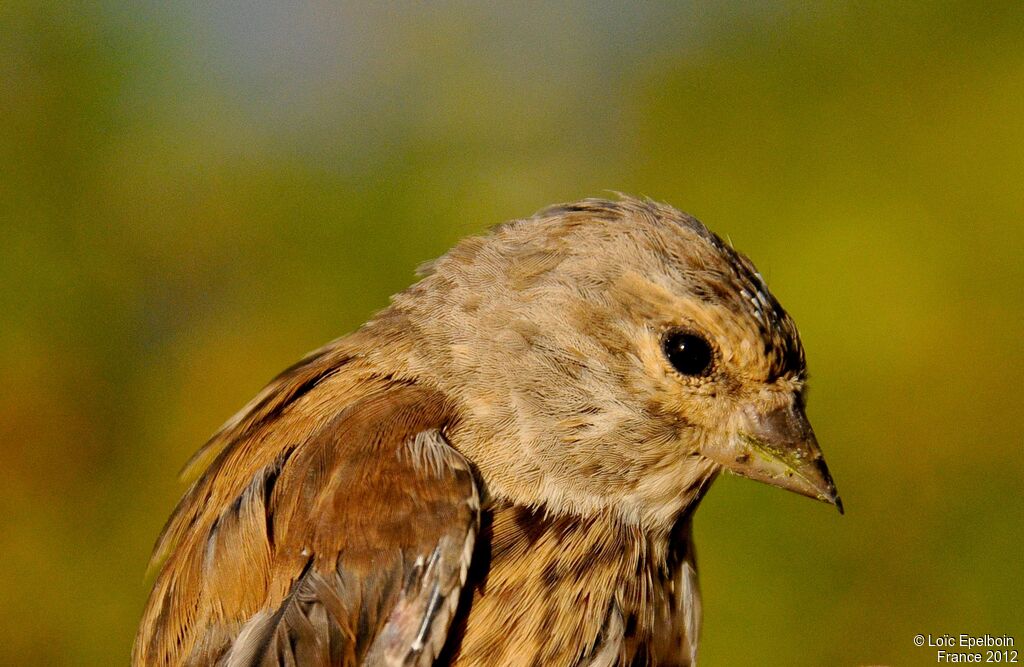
(778, 448)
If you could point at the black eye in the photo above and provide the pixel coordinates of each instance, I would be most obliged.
(688, 353)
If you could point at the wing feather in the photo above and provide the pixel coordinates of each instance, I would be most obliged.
(348, 547)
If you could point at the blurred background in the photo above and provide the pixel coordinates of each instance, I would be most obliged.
(192, 197)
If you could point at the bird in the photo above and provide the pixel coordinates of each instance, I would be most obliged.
(501, 467)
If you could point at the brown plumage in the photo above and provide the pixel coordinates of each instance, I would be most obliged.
(501, 467)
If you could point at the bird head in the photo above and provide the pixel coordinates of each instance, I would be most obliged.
(614, 356)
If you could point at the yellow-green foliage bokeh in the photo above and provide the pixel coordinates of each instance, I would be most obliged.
(192, 198)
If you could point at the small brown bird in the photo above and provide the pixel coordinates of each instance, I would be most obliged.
(501, 467)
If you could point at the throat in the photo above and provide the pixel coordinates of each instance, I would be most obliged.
(567, 590)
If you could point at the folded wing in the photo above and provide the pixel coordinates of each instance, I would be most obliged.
(349, 546)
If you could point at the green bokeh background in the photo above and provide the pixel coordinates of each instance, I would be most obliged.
(193, 197)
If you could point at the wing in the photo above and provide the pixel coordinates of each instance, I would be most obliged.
(344, 544)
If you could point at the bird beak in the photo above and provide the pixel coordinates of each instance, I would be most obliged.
(778, 448)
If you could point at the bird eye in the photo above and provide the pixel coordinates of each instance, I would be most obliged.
(688, 353)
